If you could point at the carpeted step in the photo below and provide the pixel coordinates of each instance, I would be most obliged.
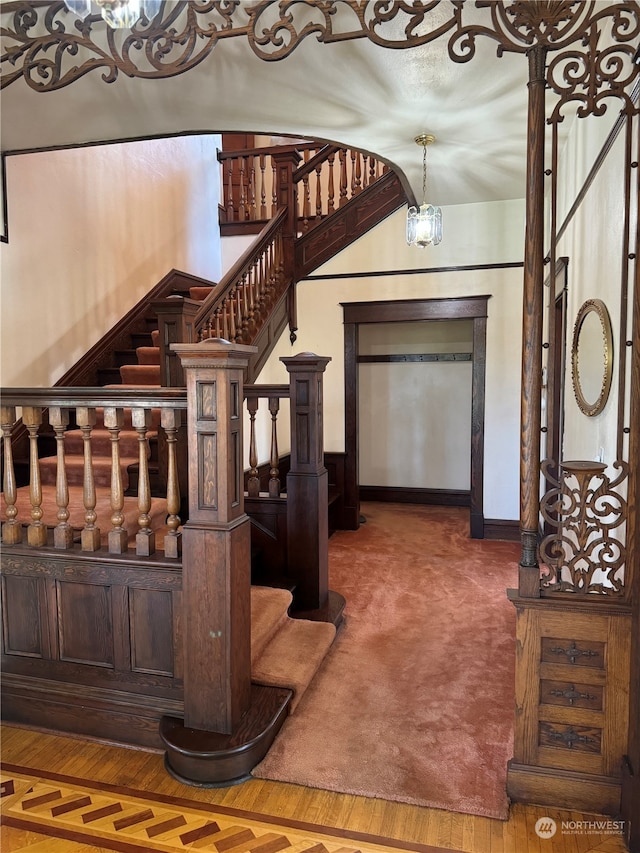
(140, 374)
(148, 355)
(158, 512)
(155, 337)
(293, 656)
(269, 612)
(200, 292)
(74, 465)
(101, 442)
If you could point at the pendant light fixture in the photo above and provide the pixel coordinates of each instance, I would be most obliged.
(119, 14)
(424, 223)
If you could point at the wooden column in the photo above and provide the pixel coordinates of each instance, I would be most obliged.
(175, 323)
(307, 484)
(215, 540)
(530, 416)
(285, 163)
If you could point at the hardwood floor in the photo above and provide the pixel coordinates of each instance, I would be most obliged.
(142, 773)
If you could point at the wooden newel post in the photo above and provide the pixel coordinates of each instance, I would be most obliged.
(285, 163)
(175, 324)
(307, 483)
(216, 571)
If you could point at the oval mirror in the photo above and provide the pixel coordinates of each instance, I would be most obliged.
(592, 357)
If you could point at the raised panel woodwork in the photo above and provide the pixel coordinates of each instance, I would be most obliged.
(206, 400)
(85, 623)
(578, 738)
(572, 702)
(207, 471)
(22, 615)
(571, 694)
(572, 652)
(151, 627)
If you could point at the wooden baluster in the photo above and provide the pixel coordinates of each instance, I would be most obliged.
(306, 204)
(239, 312)
(253, 484)
(331, 189)
(90, 536)
(217, 322)
(230, 210)
(365, 173)
(232, 314)
(170, 420)
(358, 175)
(37, 531)
(274, 461)
(225, 319)
(251, 280)
(319, 191)
(353, 171)
(242, 203)
(274, 188)
(117, 539)
(11, 529)
(252, 212)
(63, 532)
(342, 155)
(145, 537)
(373, 168)
(265, 283)
(263, 186)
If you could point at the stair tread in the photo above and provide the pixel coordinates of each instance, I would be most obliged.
(269, 611)
(293, 656)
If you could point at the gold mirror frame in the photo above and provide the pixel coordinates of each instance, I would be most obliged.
(598, 307)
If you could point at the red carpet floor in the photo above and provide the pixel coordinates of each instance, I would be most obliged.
(415, 700)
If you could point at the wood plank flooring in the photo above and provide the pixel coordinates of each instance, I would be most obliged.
(278, 814)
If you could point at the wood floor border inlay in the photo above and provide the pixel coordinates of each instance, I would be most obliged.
(131, 821)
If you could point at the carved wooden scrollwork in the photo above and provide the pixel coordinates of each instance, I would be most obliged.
(49, 48)
(584, 554)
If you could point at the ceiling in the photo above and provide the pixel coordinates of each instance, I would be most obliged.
(352, 92)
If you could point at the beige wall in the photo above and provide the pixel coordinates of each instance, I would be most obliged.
(593, 244)
(91, 230)
(474, 234)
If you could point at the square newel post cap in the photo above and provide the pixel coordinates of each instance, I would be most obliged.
(306, 361)
(214, 352)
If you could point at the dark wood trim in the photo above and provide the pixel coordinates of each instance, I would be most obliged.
(602, 156)
(419, 357)
(478, 378)
(4, 236)
(401, 310)
(419, 271)
(351, 475)
(408, 495)
(501, 528)
(345, 225)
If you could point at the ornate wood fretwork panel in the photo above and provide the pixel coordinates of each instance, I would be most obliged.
(586, 552)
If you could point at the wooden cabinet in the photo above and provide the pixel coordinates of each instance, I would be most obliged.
(572, 703)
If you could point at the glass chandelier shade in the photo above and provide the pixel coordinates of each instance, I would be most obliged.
(424, 223)
(119, 14)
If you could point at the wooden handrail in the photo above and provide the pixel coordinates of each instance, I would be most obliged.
(318, 159)
(282, 391)
(170, 398)
(242, 266)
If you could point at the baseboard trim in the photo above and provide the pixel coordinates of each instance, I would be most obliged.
(563, 789)
(398, 494)
(501, 528)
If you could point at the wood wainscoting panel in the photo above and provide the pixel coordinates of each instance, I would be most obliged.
(572, 702)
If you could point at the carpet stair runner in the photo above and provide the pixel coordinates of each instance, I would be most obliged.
(285, 652)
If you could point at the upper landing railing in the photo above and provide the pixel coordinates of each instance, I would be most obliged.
(327, 178)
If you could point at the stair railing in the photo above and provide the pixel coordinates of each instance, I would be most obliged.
(103, 518)
(328, 178)
(237, 308)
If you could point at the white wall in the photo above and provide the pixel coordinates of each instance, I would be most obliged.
(473, 234)
(593, 244)
(91, 230)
